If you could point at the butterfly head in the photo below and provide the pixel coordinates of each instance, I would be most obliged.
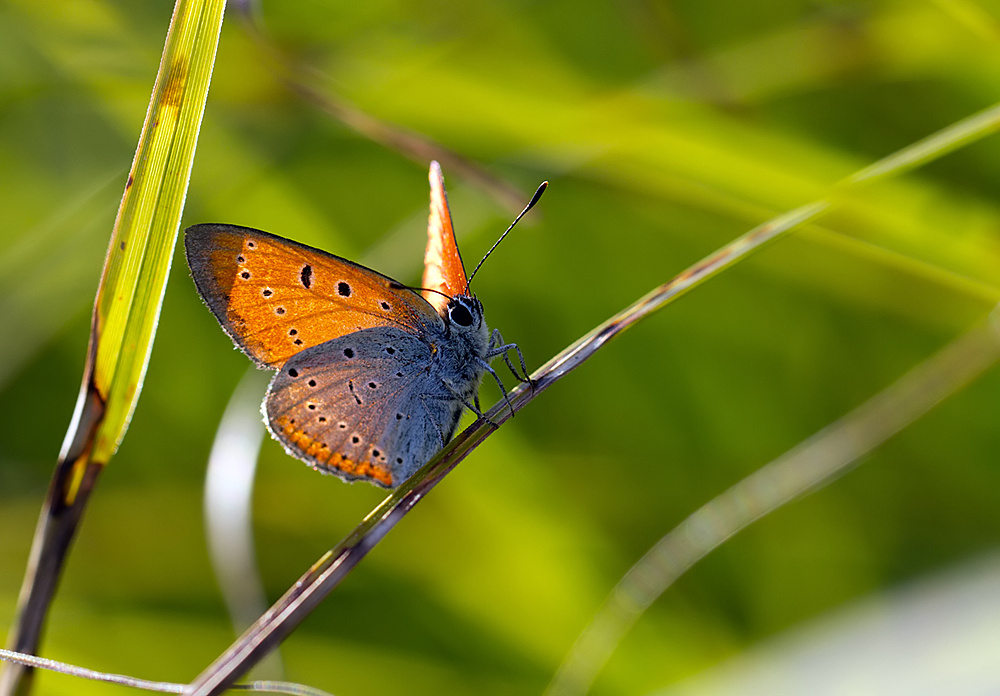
(464, 315)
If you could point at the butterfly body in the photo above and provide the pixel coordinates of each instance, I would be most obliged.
(372, 377)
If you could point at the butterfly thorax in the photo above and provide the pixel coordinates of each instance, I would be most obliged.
(463, 354)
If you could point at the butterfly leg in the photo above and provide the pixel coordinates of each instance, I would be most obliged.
(499, 347)
(503, 389)
(474, 407)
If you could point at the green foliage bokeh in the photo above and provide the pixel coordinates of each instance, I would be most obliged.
(666, 130)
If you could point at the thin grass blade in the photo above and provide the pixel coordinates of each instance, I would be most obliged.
(813, 463)
(126, 309)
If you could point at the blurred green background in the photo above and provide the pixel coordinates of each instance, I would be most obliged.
(667, 129)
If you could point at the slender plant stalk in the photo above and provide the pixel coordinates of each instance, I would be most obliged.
(126, 310)
(286, 614)
(264, 686)
(808, 466)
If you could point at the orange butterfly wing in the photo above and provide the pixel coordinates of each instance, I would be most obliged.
(443, 268)
(275, 297)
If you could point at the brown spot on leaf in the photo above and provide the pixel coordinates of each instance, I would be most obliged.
(173, 89)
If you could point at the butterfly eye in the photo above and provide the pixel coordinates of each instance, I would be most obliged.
(461, 315)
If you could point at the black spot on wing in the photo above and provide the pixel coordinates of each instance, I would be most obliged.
(350, 388)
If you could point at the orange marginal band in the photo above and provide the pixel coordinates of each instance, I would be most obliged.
(325, 457)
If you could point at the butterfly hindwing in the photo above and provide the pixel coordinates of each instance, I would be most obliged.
(363, 406)
(276, 297)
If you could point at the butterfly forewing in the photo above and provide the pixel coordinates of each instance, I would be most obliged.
(361, 406)
(276, 297)
(443, 268)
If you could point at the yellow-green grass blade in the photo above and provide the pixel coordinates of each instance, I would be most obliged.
(127, 307)
(135, 273)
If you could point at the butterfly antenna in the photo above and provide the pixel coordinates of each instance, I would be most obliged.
(414, 288)
(531, 203)
(442, 294)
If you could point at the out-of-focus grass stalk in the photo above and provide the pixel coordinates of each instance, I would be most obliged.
(286, 614)
(809, 465)
(126, 309)
(312, 85)
(260, 686)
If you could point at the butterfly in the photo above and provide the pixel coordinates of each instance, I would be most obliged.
(372, 376)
